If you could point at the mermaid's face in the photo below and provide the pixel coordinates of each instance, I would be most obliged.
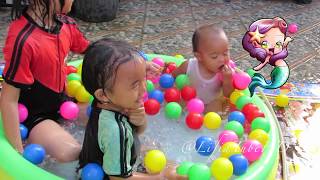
(272, 41)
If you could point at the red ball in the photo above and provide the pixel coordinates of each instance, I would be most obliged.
(172, 95)
(248, 108)
(151, 106)
(71, 69)
(188, 93)
(254, 114)
(194, 120)
(171, 67)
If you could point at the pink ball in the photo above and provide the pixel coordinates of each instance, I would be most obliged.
(154, 80)
(158, 61)
(232, 64)
(252, 150)
(241, 80)
(195, 105)
(293, 28)
(145, 97)
(228, 136)
(23, 112)
(69, 110)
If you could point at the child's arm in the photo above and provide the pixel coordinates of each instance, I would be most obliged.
(79, 43)
(9, 110)
(227, 85)
(182, 69)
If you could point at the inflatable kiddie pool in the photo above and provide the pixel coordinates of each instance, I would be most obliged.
(14, 166)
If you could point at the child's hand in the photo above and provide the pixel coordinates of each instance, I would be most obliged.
(170, 173)
(227, 73)
(153, 70)
(137, 116)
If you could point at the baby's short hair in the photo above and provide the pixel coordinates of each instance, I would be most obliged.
(203, 29)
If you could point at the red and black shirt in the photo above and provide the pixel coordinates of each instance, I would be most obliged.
(35, 63)
(32, 54)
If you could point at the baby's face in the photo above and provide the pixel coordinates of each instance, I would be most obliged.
(130, 84)
(213, 51)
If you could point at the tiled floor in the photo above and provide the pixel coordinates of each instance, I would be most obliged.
(166, 27)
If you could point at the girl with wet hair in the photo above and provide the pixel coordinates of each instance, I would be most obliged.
(115, 74)
(38, 41)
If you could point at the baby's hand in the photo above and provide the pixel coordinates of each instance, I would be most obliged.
(137, 116)
(227, 72)
(153, 69)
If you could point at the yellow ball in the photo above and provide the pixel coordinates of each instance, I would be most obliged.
(155, 161)
(222, 168)
(72, 87)
(179, 56)
(82, 95)
(212, 120)
(230, 148)
(235, 95)
(294, 168)
(79, 69)
(259, 135)
(282, 100)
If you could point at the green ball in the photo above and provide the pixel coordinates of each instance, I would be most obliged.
(182, 80)
(183, 168)
(242, 101)
(236, 127)
(251, 72)
(150, 86)
(173, 110)
(91, 99)
(246, 92)
(199, 171)
(260, 123)
(74, 76)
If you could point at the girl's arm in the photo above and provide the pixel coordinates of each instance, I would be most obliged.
(227, 85)
(10, 115)
(182, 69)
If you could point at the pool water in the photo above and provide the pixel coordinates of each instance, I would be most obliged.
(172, 137)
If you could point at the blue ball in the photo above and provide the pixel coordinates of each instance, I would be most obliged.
(157, 95)
(240, 164)
(92, 171)
(89, 108)
(166, 81)
(142, 54)
(237, 116)
(23, 132)
(34, 153)
(205, 145)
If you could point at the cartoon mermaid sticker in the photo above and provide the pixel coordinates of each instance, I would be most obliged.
(267, 41)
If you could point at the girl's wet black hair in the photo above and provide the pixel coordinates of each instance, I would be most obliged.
(19, 6)
(101, 62)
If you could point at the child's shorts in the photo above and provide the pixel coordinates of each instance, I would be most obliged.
(42, 104)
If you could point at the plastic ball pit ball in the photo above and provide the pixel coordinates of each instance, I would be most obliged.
(194, 120)
(92, 171)
(282, 100)
(69, 110)
(23, 112)
(34, 153)
(227, 136)
(212, 120)
(188, 93)
(172, 95)
(205, 145)
(166, 81)
(151, 106)
(155, 161)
